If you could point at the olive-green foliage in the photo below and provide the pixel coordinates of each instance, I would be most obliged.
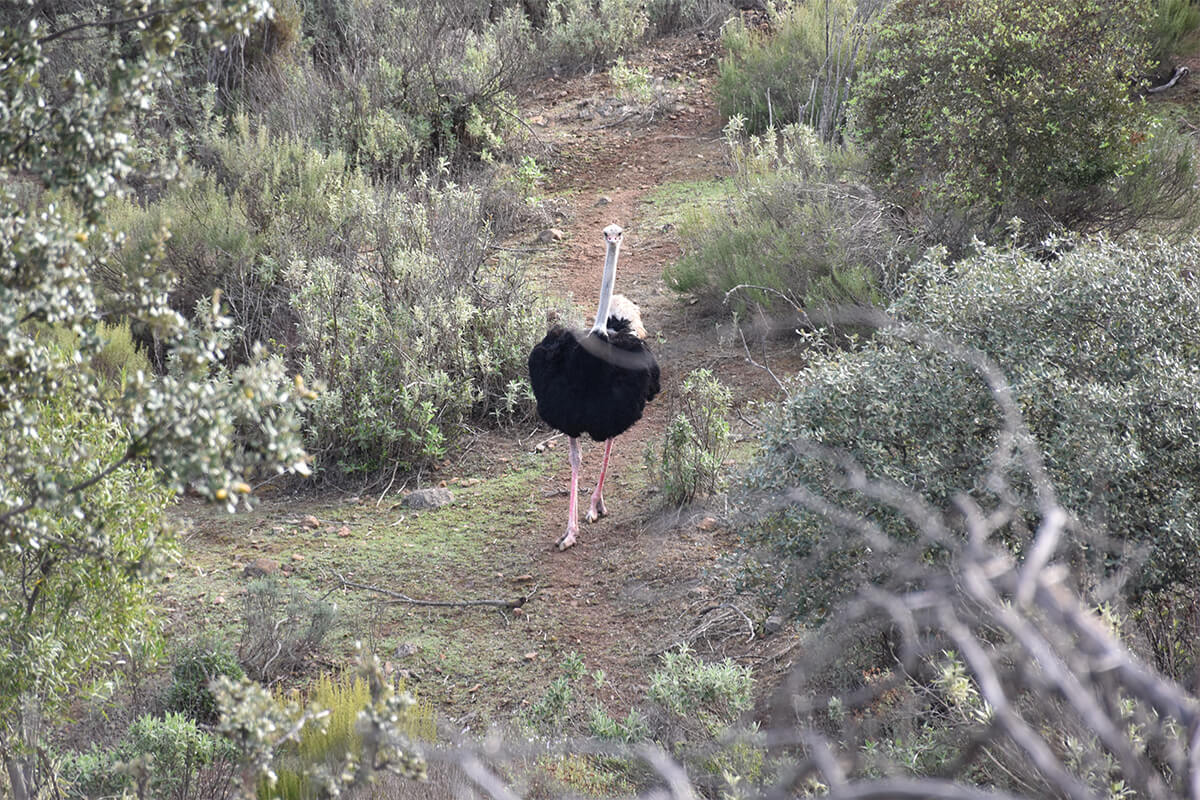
(78, 504)
(799, 71)
(586, 34)
(344, 696)
(975, 113)
(196, 665)
(401, 86)
(171, 749)
(415, 337)
(1174, 20)
(691, 460)
(389, 299)
(283, 627)
(672, 16)
(712, 693)
(791, 226)
(1099, 349)
(66, 615)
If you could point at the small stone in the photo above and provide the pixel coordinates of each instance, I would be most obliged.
(311, 522)
(550, 235)
(261, 567)
(603, 200)
(406, 649)
(344, 531)
(297, 557)
(526, 578)
(538, 120)
(531, 656)
(773, 624)
(518, 612)
(707, 524)
(219, 600)
(428, 498)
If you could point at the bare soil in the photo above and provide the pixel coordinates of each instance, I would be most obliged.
(637, 581)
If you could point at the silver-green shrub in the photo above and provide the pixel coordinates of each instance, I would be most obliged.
(413, 336)
(582, 34)
(1099, 348)
(793, 229)
(691, 460)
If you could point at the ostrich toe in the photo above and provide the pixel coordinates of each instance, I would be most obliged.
(596, 511)
(567, 539)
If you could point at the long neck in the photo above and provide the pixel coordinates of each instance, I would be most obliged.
(606, 287)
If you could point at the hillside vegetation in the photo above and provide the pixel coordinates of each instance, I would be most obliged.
(916, 514)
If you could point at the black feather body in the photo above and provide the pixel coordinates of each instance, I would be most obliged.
(593, 383)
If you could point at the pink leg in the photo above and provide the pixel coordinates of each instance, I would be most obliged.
(568, 538)
(597, 509)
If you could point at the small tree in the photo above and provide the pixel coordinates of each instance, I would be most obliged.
(81, 460)
(991, 109)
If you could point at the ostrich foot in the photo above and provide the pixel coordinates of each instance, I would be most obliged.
(567, 539)
(597, 510)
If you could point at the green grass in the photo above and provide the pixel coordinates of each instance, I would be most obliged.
(472, 549)
(671, 202)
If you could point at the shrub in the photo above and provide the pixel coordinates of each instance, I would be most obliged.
(1174, 20)
(801, 71)
(167, 756)
(1096, 349)
(696, 443)
(195, 666)
(421, 337)
(586, 34)
(282, 629)
(400, 87)
(672, 16)
(976, 113)
(791, 231)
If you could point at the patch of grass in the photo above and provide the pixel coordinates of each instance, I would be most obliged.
(672, 202)
(468, 550)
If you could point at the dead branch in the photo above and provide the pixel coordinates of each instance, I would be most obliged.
(399, 598)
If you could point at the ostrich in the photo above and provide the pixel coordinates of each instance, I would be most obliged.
(596, 383)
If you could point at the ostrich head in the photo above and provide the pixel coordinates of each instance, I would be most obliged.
(613, 234)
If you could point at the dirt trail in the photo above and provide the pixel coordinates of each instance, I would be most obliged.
(632, 584)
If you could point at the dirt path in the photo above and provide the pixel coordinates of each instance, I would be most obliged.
(636, 582)
(633, 583)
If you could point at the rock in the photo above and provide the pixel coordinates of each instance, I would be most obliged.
(260, 568)
(311, 522)
(603, 200)
(531, 656)
(538, 120)
(344, 531)
(406, 649)
(773, 624)
(708, 524)
(550, 235)
(297, 557)
(428, 498)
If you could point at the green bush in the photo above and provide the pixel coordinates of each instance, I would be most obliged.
(1099, 350)
(793, 233)
(162, 754)
(195, 666)
(426, 334)
(672, 16)
(973, 114)
(1174, 20)
(400, 87)
(691, 460)
(282, 629)
(801, 71)
(586, 34)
